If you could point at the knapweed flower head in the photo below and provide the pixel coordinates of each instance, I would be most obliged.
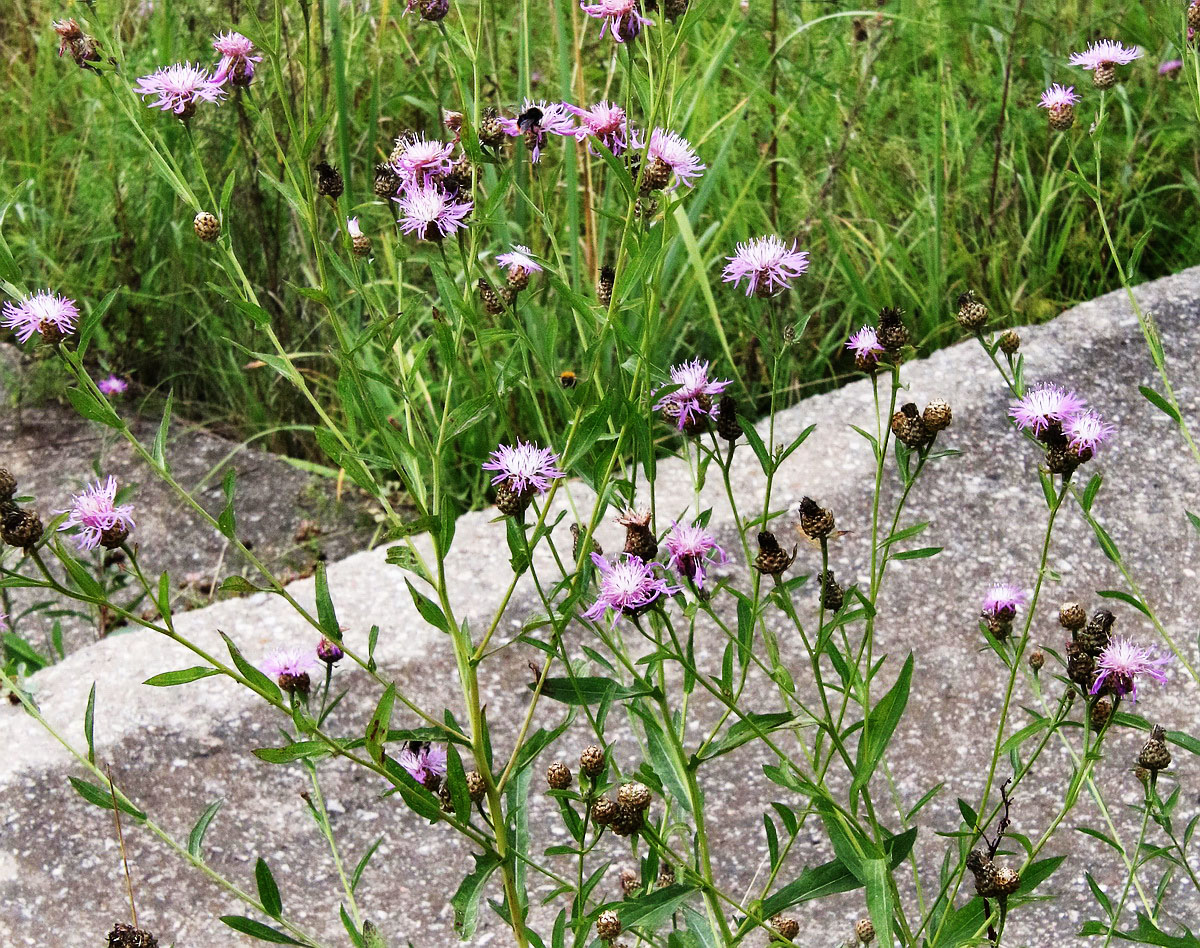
(1086, 431)
(675, 152)
(289, 667)
(100, 519)
(1122, 663)
(1002, 601)
(1170, 67)
(519, 256)
(72, 39)
(431, 213)
(1058, 97)
(51, 315)
(419, 161)
(237, 59)
(623, 18)
(690, 550)
(628, 587)
(425, 763)
(767, 264)
(604, 122)
(524, 469)
(1105, 52)
(692, 401)
(865, 345)
(1045, 404)
(179, 87)
(555, 119)
(352, 227)
(113, 385)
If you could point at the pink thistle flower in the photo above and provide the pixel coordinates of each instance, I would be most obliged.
(1044, 405)
(1105, 52)
(1002, 601)
(519, 257)
(622, 17)
(289, 667)
(629, 587)
(419, 161)
(768, 263)
(865, 345)
(100, 519)
(689, 549)
(425, 763)
(1122, 662)
(524, 469)
(431, 212)
(179, 87)
(1170, 67)
(1059, 97)
(45, 313)
(1086, 431)
(113, 385)
(693, 397)
(237, 59)
(604, 122)
(555, 120)
(352, 228)
(674, 151)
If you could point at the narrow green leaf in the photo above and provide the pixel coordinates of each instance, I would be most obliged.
(377, 729)
(89, 720)
(430, 611)
(1159, 402)
(465, 901)
(881, 724)
(101, 797)
(268, 890)
(248, 926)
(925, 551)
(181, 677)
(227, 521)
(159, 449)
(196, 836)
(257, 680)
(326, 615)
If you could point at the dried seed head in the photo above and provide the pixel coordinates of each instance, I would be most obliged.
(972, 313)
(639, 538)
(832, 595)
(666, 876)
(476, 786)
(1081, 667)
(558, 776)
(608, 925)
(207, 227)
(816, 521)
(604, 285)
(785, 926)
(864, 930)
(1071, 616)
(977, 860)
(634, 795)
(892, 333)
(604, 811)
(937, 415)
(1101, 712)
(631, 883)
(727, 420)
(1036, 660)
(1155, 756)
(772, 559)
(674, 9)
(126, 936)
(8, 484)
(21, 528)
(1010, 342)
(627, 820)
(591, 761)
(329, 181)
(491, 132)
(909, 428)
(492, 303)
(1096, 635)
(1006, 881)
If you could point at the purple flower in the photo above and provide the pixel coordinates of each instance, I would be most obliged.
(555, 120)
(865, 345)
(623, 17)
(1002, 601)
(113, 385)
(605, 122)
(1122, 662)
(352, 228)
(431, 213)
(1086, 431)
(1045, 404)
(419, 161)
(1170, 67)
(1105, 52)
(44, 312)
(628, 587)
(672, 150)
(519, 257)
(425, 763)
(179, 87)
(1058, 97)
(693, 397)
(237, 59)
(524, 469)
(689, 548)
(101, 520)
(289, 667)
(769, 264)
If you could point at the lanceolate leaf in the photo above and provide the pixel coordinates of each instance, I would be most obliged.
(466, 900)
(881, 725)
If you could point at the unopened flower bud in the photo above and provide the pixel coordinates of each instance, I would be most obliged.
(1037, 660)
(635, 795)
(639, 538)
(937, 415)
(1071, 616)
(558, 776)
(785, 926)
(1010, 342)
(8, 485)
(631, 883)
(727, 420)
(816, 521)
(1155, 756)
(207, 227)
(329, 181)
(604, 285)
(476, 786)
(21, 528)
(604, 811)
(892, 333)
(772, 559)
(329, 652)
(864, 930)
(592, 761)
(387, 182)
(972, 313)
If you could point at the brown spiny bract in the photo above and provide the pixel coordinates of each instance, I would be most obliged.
(329, 181)
(476, 786)
(604, 811)
(893, 334)
(387, 182)
(608, 925)
(21, 528)
(511, 502)
(635, 795)
(1037, 659)
(666, 876)
(657, 176)
(8, 484)
(937, 415)
(604, 285)
(1061, 460)
(999, 626)
(1061, 116)
(1081, 667)
(126, 936)
(1104, 76)
(361, 244)
(727, 419)
(627, 820)
(772, 559)
(1010, 342)
(591, 761)
(631, 883)
(492, 304)
(491, 132)
(1006, 880)
(207, 227)
(832, 595)
(558, 776)
(785, 926)
(816, 521)
(864, 930)
(639, 538)
(972, 313)
(909, 427)
(1101, 712)
(1095, 636)
(517, 278)
(1071, 616)
(1155, 756)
